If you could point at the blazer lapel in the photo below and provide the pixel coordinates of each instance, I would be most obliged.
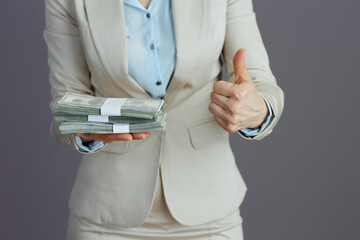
(107, 25)
(188, 19)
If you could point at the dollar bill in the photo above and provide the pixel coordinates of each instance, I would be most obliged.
(94, 127)
(81, 104)
(65, 117)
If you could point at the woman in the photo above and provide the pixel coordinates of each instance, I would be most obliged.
(182, 183)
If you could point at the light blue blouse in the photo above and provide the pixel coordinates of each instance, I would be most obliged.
(151, 45)
(152, 54)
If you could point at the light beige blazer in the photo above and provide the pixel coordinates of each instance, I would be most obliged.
(87, 54)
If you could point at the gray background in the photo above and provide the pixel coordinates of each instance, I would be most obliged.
(303, 179)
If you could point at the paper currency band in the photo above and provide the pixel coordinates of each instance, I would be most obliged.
(112, 106)
(121, 128)
(98, 118)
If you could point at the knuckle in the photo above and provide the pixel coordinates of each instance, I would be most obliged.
(232, 121)
(228, 125)
(240, 93)
(230, 128)
(234, 93)
(233, 108)
(226, 128)
(226, 122)
(233, 129)
(242, 119)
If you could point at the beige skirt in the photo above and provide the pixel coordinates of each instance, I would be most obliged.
(158, 225)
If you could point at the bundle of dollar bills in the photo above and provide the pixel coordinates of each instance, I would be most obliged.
(80, 104)
(79, 113)
(99, 127)
(65, 117)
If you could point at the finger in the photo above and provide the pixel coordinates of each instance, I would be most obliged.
(96, 137)
(119, 137)
(223, 124)
(220, 121)
(241, 74)
(218, 111)
(220, 100)
(88, 136)
(109, 137)
(138, 136)
(83, 138)
(223, 88)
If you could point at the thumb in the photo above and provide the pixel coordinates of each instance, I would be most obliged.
(241, 74)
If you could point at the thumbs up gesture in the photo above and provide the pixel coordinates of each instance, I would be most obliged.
(238, 105)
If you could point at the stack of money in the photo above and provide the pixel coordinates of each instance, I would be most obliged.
(80, 113)
(99, 127)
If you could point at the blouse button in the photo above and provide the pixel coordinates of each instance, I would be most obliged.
(148, 15)
(158, 83)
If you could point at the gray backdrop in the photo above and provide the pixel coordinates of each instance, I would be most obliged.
(303, 179)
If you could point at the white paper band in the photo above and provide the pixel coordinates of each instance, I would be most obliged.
(121, 128)
(112, 106)
(98, 118)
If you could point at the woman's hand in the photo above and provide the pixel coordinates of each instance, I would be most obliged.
(109, 138)
(238, 105)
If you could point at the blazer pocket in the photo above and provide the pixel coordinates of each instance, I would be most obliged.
(206, 133)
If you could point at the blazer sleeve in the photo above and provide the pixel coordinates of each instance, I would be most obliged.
(68, 70)
(242, 32)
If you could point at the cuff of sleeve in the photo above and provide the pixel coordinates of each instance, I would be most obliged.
(252, 132)
(91, 146)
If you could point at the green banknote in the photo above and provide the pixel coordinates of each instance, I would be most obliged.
(66, 117)
(98, 127)
(80, 104)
